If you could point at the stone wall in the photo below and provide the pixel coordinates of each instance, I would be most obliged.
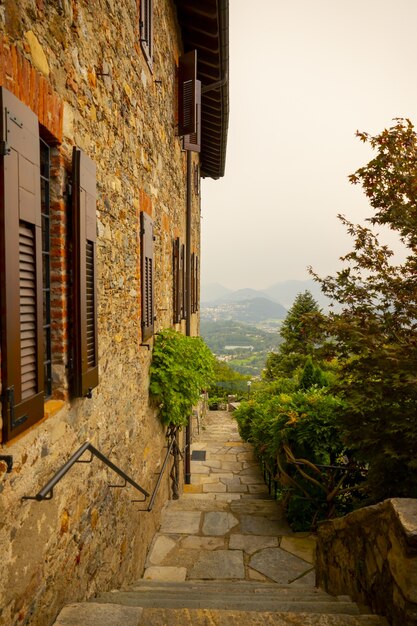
(371, 554)
(79, 66)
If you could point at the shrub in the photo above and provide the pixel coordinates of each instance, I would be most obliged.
(294, 433)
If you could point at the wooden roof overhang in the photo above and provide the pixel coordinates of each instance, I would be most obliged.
(205, 27)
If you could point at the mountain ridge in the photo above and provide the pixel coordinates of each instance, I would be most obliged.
(282, 293)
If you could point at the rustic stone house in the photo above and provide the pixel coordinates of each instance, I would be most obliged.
(110, 113)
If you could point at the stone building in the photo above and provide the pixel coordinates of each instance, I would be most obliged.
(110, 114)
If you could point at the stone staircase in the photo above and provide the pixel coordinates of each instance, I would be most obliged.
(204, 603)
(224, 556)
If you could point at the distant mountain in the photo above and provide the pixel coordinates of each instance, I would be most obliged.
(244, 294)
(253, 310)
(282, 293)
(286, 292)
(213, 291)
(259, 309)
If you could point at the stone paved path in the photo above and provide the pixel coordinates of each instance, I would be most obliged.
(225, 526)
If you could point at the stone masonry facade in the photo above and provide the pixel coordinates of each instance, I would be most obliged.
(78, 65)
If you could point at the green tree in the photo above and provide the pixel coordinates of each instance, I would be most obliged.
(375, 334)
(301, 332)
(226, 381)
(312, 375)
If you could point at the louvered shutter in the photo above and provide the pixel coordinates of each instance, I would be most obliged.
(21, 267)
(187, 94)
(176, 281)
(193, 141)
(197, 285)
(183, 284)
(193, 283)
(146, 29)
(147, 275)
(85, 371)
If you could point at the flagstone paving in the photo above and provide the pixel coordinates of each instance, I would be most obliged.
(225, 526)
(223, 557)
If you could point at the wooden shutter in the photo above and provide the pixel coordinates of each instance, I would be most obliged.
(193, 141)
(21, 267)
(183, 284)
(146, 29)
(176, 281)
(85, 371)
(187, 94)
(193, 282)
(197, 285)
(147, 275)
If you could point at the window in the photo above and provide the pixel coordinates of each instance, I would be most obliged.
(197, 179)
(22, 346)
(195, 284)
(177, 280)
(85, 371)
(183, 283)
(193, 140)
(189, 101)
(147, 275)
(45, 168)
(146, 30)
(25, 268)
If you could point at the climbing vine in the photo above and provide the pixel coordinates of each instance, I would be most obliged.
(181, 368)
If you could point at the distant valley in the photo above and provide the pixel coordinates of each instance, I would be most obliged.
(252, 311)
(283, 293)
(242, 326)
(243, 346)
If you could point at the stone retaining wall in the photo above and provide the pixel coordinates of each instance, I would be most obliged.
(371, 554)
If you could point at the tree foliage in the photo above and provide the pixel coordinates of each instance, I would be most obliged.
(375, 334)
(301, 333)
(181, 368)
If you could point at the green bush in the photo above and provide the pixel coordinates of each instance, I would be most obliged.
(181, 368)
(294, 432)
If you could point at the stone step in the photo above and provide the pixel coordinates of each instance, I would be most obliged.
(94, 614)
(231, 601)
(207, 617)
(213, 586)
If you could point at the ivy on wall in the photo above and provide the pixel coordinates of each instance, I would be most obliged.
(181, 368)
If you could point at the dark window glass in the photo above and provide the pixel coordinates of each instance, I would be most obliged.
(46, 262)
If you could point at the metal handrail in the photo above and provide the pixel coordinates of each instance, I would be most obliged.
(161, 473)
(46, 493)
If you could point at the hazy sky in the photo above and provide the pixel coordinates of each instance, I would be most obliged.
(304, 76)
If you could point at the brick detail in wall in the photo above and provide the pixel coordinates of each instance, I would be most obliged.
(19, 76)
(60, 276)
(145, 202)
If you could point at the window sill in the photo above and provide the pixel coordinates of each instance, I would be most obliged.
(51, 407)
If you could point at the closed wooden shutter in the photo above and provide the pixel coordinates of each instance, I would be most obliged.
(183, 284)
(197, 285)
(21, 267)
(85, 371)
(146, 29)
(147, 275)
(187, 93)
(193, 282)
(193, 141)
(176, 281)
